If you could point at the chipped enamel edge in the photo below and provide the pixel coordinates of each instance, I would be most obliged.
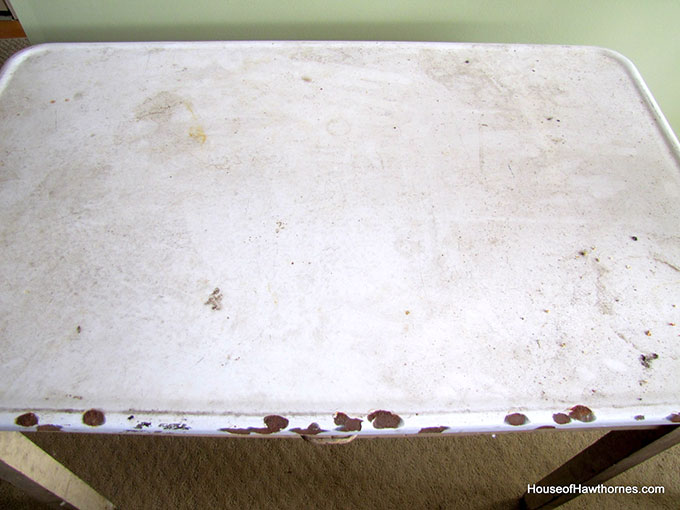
(149, 422)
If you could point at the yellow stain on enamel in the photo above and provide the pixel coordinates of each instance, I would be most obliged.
(197, 133)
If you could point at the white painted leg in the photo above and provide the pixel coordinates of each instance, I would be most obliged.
(26, 466)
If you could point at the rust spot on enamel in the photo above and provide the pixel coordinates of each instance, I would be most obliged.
(639, 417)
(173, 426)
(674, 417)
(311, 430)
(215, 299)
(273, 422)
(384, 419)
(242, 432)
(581, 413)
(432, 430)
(347, 424)
(543, 427)
(26, 420)
(646, 359)
(49, 428)
(516, 419)
(93, 418)
(561, 418)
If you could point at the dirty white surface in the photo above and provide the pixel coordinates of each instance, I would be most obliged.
(449, 232)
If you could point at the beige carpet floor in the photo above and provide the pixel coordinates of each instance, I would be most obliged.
(10, 46)
(467, 472)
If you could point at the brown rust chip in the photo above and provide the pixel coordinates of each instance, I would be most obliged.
(516, 419)
(93, 418)
(544, 427)
(581, 413)
(49, 428)
(646, 359)
(215, 299)
(273, 422)
(561, 418)
(311, 430)
(432, 430)
(639, 417)
(259, 430)
(384, 419)
(242, 432)
(26, 420)
(673, 417)
(174, 426)
(347, 424)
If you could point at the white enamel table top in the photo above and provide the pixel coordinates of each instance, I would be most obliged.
(448, 237)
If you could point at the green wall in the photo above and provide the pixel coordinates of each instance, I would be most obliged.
(647, 32)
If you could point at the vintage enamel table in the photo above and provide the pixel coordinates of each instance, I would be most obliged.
(330, 239)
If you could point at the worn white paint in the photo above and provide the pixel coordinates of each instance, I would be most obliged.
(443, 231)
(31, 469)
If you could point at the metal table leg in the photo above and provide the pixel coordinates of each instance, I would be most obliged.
(26, 466)
(613, 454)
